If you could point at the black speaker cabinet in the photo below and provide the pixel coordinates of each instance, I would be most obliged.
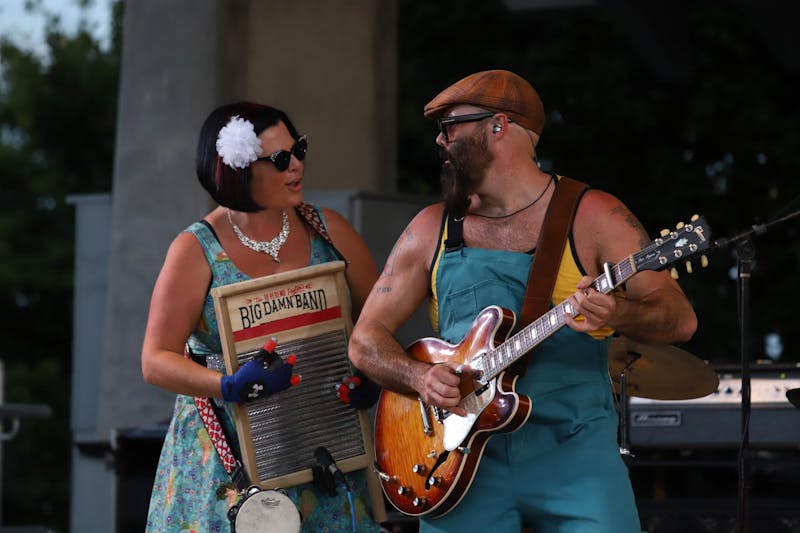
(688, 491)
(717, 516)
(136, 453)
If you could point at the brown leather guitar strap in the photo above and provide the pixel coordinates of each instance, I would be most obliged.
(547, 258)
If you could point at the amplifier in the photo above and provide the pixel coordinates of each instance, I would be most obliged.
(716, 420)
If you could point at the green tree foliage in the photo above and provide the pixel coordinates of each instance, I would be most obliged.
(57, 123)
(712, 130)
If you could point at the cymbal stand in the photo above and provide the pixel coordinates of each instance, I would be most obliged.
(624, 451)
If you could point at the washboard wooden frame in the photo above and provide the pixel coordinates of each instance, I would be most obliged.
(308, 312)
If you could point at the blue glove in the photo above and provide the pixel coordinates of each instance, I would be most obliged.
(265, 374)
(358, 391)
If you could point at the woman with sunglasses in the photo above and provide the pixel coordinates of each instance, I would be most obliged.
(250, 159)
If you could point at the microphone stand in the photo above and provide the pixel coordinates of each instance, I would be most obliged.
(745, 253)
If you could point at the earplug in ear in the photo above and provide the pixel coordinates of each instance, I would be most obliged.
(496, 128)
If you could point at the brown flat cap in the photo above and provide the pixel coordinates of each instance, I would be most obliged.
(495, 90)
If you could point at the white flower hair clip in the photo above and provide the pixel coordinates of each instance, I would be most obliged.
(237, 143)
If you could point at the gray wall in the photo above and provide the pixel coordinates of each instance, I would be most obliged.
(91, 483)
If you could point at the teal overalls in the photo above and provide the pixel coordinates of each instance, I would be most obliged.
(562, 471)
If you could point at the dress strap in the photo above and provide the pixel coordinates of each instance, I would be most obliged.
(209, 241)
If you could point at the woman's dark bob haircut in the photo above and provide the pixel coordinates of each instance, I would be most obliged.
(230, 187)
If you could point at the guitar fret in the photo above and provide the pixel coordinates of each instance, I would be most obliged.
(620, 273)
(536, 332)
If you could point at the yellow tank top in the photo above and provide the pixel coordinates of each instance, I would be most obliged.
(570, 273)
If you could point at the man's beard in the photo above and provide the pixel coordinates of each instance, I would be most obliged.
(463, 171)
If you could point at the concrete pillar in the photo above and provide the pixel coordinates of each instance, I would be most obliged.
(331, 65)
(167, 87)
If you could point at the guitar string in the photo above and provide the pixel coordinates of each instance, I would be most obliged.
(503, 351)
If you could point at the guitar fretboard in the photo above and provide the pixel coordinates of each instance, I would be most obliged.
(536, 332)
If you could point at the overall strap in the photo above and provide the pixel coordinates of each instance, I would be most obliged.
(549, 251)
(455, 234)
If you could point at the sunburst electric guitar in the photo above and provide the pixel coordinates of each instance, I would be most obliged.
(425, 457)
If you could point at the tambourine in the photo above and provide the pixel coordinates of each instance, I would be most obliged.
(259, 507)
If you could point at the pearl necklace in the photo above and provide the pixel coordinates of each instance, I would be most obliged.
(268, 247)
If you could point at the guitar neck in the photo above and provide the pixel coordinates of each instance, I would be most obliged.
(529, 337)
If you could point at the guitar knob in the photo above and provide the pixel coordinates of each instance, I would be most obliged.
(419, 469)
(689, 267)
(695, 217)
(434, 481)
(664, 232)
(419, 502)
(703, 261)
(679, 225)
(674, 273)
(402, 490)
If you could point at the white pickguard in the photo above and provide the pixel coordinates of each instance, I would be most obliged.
(456, 428)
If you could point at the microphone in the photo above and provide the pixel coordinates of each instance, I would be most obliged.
(325, 460)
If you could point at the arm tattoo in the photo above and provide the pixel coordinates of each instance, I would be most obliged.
(388, 269)
(632, 222)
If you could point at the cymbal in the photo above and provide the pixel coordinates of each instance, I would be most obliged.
(793, 395)
(659, 372)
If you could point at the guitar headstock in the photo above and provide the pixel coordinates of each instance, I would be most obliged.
(680, 245)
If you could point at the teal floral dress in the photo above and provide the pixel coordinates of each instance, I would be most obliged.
(192, 492)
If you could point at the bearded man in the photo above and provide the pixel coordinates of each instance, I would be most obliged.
(562, 470)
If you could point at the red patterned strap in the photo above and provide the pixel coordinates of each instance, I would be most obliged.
(214, 429)
(205, 408)
(311, 215)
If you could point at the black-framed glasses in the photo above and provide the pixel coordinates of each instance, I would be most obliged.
(459, 119)
(281, 158)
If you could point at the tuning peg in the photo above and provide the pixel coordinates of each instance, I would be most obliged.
(679, 225)
(674, 273)
(703, 261)
(664, 232)
(695, 217)
(688, 267)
